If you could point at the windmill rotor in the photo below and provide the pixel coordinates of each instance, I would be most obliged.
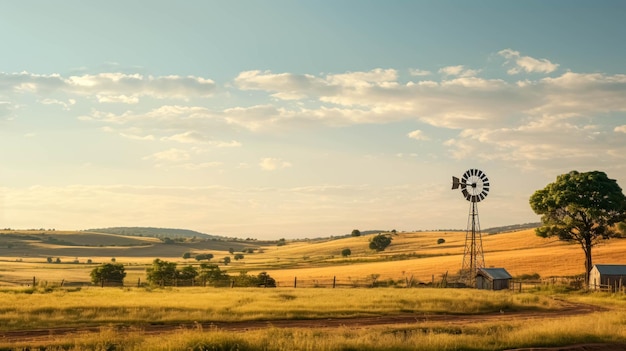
(474, 185)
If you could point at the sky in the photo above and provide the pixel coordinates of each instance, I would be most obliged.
(301, 119)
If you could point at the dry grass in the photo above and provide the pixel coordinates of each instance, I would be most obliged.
(421, 335)
(414, 255)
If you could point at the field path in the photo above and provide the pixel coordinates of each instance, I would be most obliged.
(20, 337)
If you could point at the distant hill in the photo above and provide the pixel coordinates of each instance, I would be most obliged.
(154, 232)
(511, 228)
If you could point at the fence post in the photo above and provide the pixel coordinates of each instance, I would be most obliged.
(34, 282)
(295, 282)
(334, 281)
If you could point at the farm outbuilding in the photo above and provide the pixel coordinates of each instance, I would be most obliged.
(607, 277)
(492, 279)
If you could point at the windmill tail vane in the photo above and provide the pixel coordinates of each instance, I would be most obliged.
(455, 182)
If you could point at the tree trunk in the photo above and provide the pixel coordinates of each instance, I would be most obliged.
(588, 261)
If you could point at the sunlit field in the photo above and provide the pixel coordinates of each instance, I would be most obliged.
(415, 256)
(193, 307)
(62, 296)
(26, 310)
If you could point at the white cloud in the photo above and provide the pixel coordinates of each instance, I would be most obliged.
(620, 129)
(417, 135)
(65, 105)
(138, 137)
(459, 71)
(419, 73)
(123, 99)
(171, 155)
(271, 164)
(192, 137)
(110, 87)
(527, 63)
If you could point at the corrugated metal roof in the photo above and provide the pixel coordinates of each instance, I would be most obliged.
(495, 273)
(611, 269)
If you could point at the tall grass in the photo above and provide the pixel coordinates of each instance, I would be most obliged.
(600, 327)
(136, 306)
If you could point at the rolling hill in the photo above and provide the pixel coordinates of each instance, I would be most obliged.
(417, 255)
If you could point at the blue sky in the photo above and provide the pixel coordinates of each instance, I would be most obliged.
(301, 119)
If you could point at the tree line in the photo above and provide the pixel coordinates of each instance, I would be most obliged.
(163, 273)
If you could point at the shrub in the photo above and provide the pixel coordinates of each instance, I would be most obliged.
(441, 241)
(380, 242)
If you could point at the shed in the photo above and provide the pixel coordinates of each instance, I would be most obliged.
(492, 279)
(607, 277)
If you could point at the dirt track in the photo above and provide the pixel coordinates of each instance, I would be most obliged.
(26, 336)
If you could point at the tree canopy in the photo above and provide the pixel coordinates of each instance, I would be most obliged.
(580, 207)
(108, 273)
(380, 242)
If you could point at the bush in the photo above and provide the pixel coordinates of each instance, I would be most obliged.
(441, 241)
(108, 273)
(346, 252)
(380, 242)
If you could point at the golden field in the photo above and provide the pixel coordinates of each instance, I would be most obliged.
(24, 254)
(126, 318)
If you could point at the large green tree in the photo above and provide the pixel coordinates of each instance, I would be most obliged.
(580, 207)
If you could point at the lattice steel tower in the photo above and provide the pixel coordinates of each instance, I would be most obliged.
(474, 186)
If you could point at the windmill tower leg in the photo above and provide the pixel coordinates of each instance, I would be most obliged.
(473, 257)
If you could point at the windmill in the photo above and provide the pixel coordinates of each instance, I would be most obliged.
(474, 186)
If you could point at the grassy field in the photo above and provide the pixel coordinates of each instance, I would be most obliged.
(134, 308)
(23, 255)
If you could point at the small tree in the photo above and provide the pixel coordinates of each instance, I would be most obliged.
(226, 260)
(107, 273)
(264, 279)
(188, 274)
(187, 255)
(212, 275)
(238, 257)
(161, 272)
(346, 252)
(356, 232)
(441, 241)
(231, 251)
(201, 257)
(580, 207)
(380, 242)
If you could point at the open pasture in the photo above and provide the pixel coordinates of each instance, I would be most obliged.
(204, 319)
(411, 255)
